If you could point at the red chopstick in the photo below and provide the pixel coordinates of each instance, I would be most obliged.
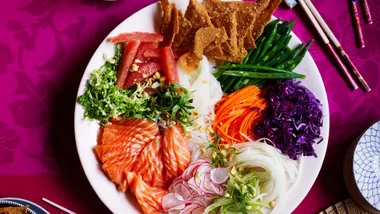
(358, 29)
(367, 12)
(314, 15)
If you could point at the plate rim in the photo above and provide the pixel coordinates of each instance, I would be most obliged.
(326, 123)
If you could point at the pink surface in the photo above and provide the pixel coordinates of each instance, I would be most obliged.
(45, 46)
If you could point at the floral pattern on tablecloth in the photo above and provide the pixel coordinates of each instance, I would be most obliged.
(45, 46)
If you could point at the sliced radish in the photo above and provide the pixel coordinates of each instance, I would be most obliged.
(219, 175)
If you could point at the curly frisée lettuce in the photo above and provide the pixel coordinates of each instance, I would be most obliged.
(102, 100)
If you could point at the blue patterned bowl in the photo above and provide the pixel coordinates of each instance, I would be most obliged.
(18, 202)
(362, 178)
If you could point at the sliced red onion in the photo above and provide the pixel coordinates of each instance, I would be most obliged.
(219, 175)
(192, 192)
(193, 167)
(172, 201)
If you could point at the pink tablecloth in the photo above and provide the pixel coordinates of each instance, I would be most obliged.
(44, 48)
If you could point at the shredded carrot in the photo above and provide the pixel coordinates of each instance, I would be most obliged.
(238, 113)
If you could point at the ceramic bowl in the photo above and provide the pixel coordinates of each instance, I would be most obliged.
(18, 202)
(362, 169)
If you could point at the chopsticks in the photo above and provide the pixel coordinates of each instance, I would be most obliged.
(58, 206)
(358, 29)
(323, 29)
(367, 12)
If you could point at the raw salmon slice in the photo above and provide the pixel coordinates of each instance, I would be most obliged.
(109, 152)
(176, 155)
(150, 165)
(122, 142)
(116, 172)
(148, 197)
(129, 130)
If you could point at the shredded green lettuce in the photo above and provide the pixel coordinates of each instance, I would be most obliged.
(102, 100)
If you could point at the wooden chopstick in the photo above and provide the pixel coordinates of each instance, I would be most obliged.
(367, 12)
(358, 29)
(327, 42)
(334, 40)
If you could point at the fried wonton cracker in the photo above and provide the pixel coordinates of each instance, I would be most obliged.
(245, 17)
(215, 7)
(170, 21)
(184, 28)
(203, 38)
(266, 9)
(229, 22)
(197, 15)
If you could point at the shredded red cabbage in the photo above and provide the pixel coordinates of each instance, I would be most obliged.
(294, 119)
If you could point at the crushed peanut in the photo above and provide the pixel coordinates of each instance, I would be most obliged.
(134, 67)
(157, 75)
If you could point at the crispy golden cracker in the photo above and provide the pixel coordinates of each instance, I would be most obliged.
(265, 9)
(215, 53)
(14, 210)
(249, 41)
(184, 28)
(197, 15)
(215, 7)
(206, 36)
(220, 30)
(189, 61)
(220, 38)
(245, 20)
(237, 58)
(166, 15)
(170, 22)
(229, 22)
(245, 17)
(203, 38)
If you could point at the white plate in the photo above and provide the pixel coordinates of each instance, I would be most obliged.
(86, 132)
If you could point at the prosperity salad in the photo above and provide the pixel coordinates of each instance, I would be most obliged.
(206, 116)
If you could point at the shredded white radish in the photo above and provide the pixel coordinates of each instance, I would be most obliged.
(278, 170)
(206, 92)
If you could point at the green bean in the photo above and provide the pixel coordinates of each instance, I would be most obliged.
(288, 26)
(220, 72)
(259, 83)
(282, 27)
(288, 38)
(229, 82)
(291, 54)
(271, 25)
(248, 56)
(266, 75)
(250, 81)
(253, 59)
(258, 67)
(276, 48)
(268, 43)
(240, 83)
(293, 63)
(222, 78)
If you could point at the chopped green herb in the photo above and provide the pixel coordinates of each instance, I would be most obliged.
(221, 153)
